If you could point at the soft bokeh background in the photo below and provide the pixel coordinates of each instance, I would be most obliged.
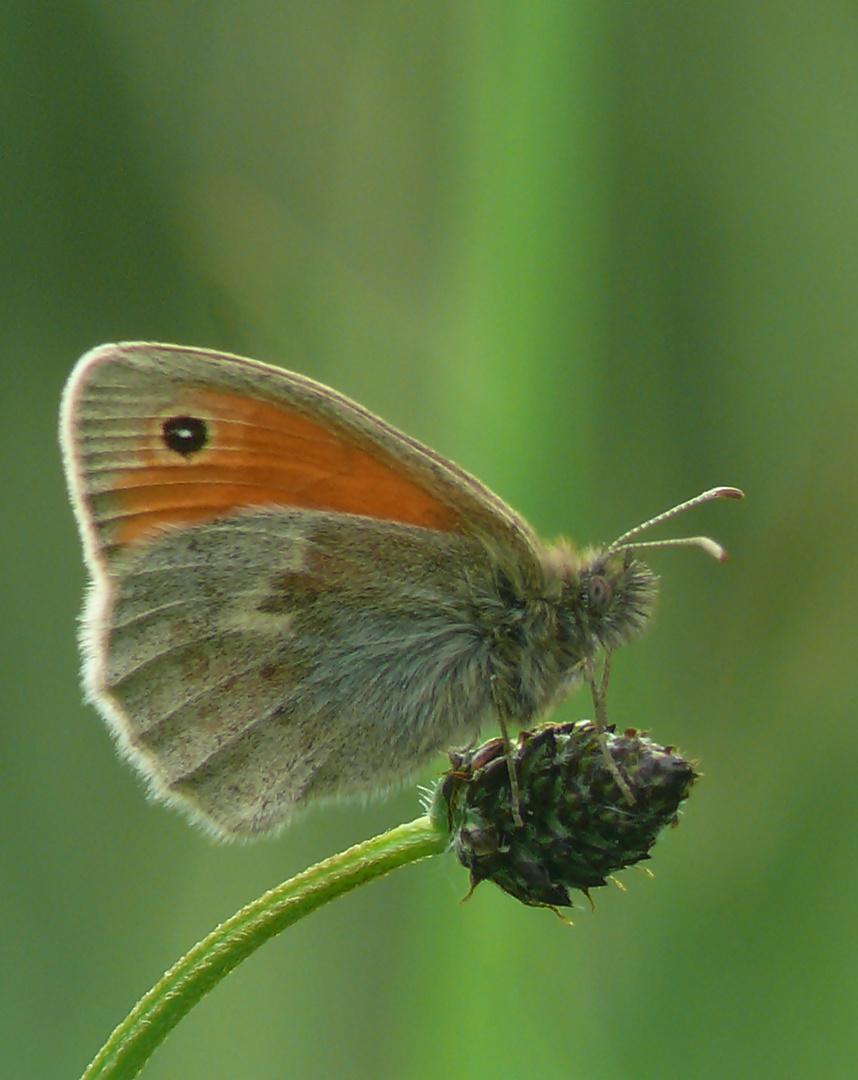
(604, 254)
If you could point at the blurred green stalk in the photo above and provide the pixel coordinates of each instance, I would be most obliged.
(147, 1025)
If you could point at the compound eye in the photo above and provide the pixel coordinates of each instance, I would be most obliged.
(599, 594)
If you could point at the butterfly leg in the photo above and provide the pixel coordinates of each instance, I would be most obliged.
(502, 713)
(515, 796)
(600, 718)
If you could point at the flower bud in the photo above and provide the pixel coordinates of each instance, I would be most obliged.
(577, 825)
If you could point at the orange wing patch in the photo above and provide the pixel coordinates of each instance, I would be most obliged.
(257, 453)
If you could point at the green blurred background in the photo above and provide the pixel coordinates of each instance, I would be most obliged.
(604, 254)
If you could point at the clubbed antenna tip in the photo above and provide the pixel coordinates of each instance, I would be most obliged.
(706, 543)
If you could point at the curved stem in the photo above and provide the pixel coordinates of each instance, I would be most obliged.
(198, 971)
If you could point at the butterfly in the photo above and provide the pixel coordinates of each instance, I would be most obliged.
(292, 600)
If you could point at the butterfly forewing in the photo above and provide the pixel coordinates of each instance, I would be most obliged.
(161, 435)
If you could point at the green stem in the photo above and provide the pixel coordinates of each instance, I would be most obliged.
(198, 971)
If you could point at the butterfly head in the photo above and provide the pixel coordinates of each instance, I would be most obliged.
(608, 594)
(613, 597)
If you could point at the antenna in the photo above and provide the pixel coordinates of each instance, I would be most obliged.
(710, 546)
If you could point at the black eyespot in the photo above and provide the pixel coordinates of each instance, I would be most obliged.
(185, 434)
(599, 594)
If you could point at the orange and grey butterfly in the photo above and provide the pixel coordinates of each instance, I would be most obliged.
(292, 599)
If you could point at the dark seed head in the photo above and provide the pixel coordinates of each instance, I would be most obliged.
(578, 827)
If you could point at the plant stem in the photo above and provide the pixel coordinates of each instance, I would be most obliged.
(198, 971)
